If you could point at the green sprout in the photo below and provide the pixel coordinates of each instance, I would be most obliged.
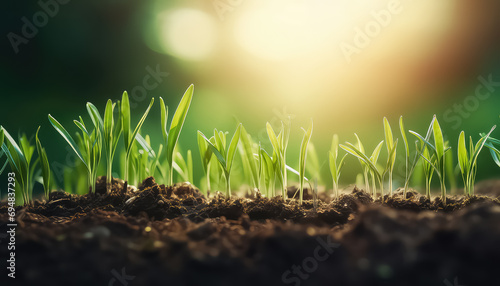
(184, 167)
(268, 171)
(110, 131)
(206, 155)
(369, 164)
(313, 166)
(42, 155)
(303, 157)
(89, 149)
(280, 144)
(224, 155)
(364, 166)
(468, 160)
(170, 137)
(147, 161)
(249, 159)
(335, 168)
(410, 168)
(20, 161)
(427, 170)
(391, 151)
(129, 138)
(437, 150)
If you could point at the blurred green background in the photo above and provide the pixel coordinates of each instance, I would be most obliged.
(345, 64)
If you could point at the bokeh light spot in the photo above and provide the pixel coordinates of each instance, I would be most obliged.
(187, 33)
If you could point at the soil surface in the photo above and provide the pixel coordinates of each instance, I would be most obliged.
(157, 235)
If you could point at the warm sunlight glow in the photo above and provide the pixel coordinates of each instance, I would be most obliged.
(187, 34)
(279, 30)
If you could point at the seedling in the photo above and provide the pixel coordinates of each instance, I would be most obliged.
(89, 149)
(206, 155)
(410, 168)
(438, 150)
(129, 138)
(110, 131)
(313, 166)
(184, 167)
(335, 168)
(223, 154)
(427, 170)
(42, 155)
(280, 144)
(170, 137)
(468, 160)
(147, 161)
(303, 157)
(391, 151)
(20, 162)
(369, 164)
(268, 171)
(249, 159)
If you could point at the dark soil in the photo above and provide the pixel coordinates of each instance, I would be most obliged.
(158, 235)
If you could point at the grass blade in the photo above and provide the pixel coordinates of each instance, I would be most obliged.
(125, 116)
(303, 158)
(247, 147)
(59, 128)
(462, 153)
(232, 147)
(139, 125)
(42, 154)
(164, 119)
(178, 121)
(388, 135)
(438, 138)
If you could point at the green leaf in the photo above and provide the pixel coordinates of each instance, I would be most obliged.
(232, 147)
(376, 152)
(2, 136)
(392, 157)
(139, 125)
(164, 119)
(95, 116)
(205, 152)
(438, 139)
(462, 153)
(286, 133)
(178, 121)
(351, 149)
(273, 138)
(214, 150)
(145, 145)
(108, 123)
(333, 165)
(59, 128)
(403, 134)
(125, 118)
(335, 146)
(44, 163)
(303, 156)
(424, 141)
(388, 135)
(248, 152)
